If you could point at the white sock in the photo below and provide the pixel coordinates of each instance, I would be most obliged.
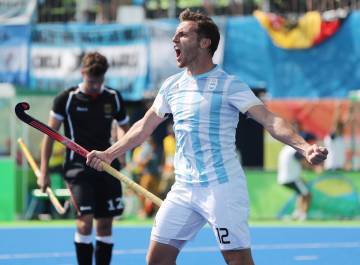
(105, 239)
(85, 239)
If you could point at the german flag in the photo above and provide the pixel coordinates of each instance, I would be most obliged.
(309, 30)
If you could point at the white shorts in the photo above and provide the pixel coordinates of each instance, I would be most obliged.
(187, 209)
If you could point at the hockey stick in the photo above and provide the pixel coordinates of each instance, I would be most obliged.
(20, 113)
(55, 202)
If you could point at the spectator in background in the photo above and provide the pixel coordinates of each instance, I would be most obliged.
(167, 174)
(85, 11)
(5, 150)
(290, 164)
(57, 159)
(335, 143)
(107, 10)
(146, 162)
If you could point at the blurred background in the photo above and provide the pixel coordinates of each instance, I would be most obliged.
(301, 57)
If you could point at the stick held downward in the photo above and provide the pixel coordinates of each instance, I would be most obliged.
(55, 202)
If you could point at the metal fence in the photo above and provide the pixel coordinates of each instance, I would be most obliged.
(106, 11)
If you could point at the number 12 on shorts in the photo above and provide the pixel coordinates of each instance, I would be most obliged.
(116, 204)
(222, 234)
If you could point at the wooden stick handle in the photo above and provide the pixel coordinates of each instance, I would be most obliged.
(132, 185)
(55, 202)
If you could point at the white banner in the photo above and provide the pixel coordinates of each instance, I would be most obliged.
(57, 51)
(17, 12)
(56, 62)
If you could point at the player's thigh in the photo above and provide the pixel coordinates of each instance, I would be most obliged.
(226, 209)
(238, 257)
(81, 184)
(176, 220)
(108, 196)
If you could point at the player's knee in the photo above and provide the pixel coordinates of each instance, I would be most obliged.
(238, 257)
(84, 226)
(84, 229)
(152, 259)
(156, 258)
(104, 226)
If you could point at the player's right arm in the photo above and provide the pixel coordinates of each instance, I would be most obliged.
(43, 180)
(282, 130)
(136, 135)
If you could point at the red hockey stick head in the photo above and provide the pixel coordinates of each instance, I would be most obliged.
(20, 112)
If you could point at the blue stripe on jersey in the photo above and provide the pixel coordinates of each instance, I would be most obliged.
(205, 110)
(214, 132)
(179, 108)
(195, 137)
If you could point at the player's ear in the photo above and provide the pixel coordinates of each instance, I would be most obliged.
(83, 73)
(205, 43)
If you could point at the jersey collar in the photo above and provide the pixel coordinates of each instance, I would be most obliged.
(206, 74)
(81, 87)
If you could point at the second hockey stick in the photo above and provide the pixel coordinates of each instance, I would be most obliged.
(55, 202)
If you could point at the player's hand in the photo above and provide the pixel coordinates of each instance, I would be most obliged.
(43, 181)
(95, 158)
(316, 154)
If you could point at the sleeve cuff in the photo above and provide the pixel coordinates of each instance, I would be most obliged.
(56, 116)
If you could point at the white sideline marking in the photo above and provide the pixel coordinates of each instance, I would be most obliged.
(142, 251)
(36, 255)
(306, 258)
(307, 246)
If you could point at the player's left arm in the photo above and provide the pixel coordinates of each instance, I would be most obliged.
(282, 130)
(120, 132)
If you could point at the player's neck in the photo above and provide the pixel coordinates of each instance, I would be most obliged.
(200, 67)
(87, 90)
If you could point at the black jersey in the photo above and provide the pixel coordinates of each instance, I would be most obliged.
(87, 119)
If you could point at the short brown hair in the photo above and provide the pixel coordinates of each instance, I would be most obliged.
(206, 27)
(94, 64)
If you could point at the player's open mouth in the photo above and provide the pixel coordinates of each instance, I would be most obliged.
(178, 53)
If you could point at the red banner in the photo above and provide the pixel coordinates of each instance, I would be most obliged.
(317, 116)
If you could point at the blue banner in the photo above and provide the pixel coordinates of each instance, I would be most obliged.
(245, 52)
(57, 50)
(328, 70)
(14, 43)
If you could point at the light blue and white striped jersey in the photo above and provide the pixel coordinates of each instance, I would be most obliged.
(205, 110)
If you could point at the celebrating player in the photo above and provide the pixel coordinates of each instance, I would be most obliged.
(210, 184)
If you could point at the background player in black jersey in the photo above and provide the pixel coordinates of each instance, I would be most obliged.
(88, 111)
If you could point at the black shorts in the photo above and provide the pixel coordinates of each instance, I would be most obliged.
(299, 186)
(94, 192)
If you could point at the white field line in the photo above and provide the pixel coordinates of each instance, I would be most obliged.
(306, 258)
(335, 245)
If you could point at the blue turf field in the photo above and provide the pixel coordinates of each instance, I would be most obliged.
(271, 246)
